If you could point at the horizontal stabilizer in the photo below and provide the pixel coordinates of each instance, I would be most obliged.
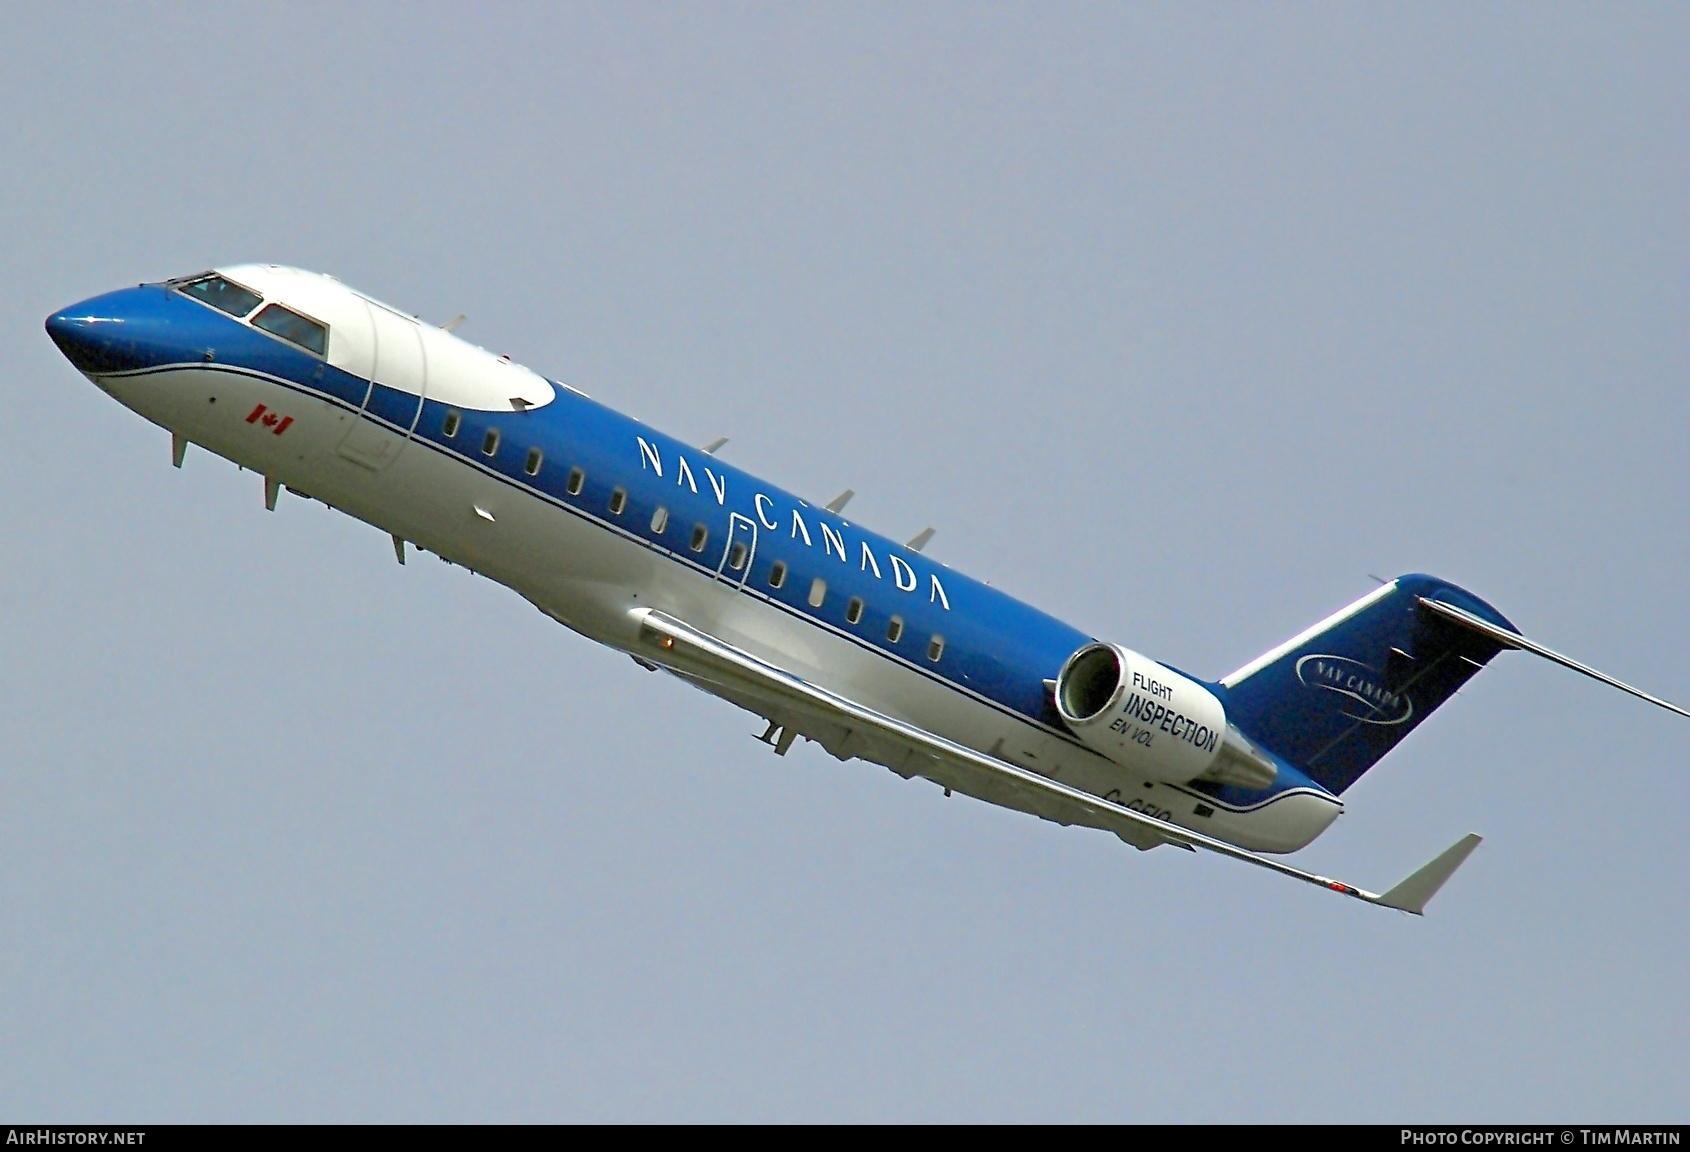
(1514, 640)
(1413, 893)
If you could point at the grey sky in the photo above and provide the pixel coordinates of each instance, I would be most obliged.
(1177, 321)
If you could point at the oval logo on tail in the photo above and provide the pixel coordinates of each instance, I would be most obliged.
(1373, 703)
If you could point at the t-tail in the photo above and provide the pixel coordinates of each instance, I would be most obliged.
(1337, 697)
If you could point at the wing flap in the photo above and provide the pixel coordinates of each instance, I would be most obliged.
(845, 741)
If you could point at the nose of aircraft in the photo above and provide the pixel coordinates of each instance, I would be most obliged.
(116, 331)
(92, 335)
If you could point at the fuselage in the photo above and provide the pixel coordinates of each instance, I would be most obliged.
(591, 515)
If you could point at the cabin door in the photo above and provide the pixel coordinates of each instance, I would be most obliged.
(398, 383)
(738, 550)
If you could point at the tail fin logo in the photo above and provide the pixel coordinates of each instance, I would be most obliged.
(1357, 682)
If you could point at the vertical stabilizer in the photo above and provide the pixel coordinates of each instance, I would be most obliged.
(1335, 698)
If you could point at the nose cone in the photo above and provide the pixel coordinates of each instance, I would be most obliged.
(92, 336)
(110, 333)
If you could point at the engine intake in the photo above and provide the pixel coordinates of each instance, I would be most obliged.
(1088, 682)
(1155, 721)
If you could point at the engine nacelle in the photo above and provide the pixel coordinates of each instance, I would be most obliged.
(1153, 720)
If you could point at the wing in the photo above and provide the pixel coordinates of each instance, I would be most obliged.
(848, 729)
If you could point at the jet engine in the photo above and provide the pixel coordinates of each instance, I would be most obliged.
(1149, 718)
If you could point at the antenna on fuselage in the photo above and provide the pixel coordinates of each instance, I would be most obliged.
(453, 322)
(714, 446)
(837, 504)
(919, 541)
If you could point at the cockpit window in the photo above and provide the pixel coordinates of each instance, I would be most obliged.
(290, 325)
(224, 295)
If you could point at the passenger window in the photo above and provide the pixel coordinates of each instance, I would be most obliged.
(532, 467)
(699, 535)
(659, 521)
(736, 556)
(854, 610)
(777, 574)
(490, 442)
(935, 648)
(618, 501)
(449, 426)
(895, 630)
(577, 479)
(818, 592)
(223, 295)
(293, 327)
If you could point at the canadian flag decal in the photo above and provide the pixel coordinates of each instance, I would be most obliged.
(275, 422)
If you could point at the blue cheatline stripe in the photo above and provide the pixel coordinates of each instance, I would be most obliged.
(467, 456)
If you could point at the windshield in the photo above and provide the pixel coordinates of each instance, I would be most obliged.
(224, 295)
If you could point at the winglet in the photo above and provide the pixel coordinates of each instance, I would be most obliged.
(1413, 893)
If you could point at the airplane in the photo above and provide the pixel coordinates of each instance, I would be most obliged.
(822, 628)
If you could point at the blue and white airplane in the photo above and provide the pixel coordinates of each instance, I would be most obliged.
(822, 628)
